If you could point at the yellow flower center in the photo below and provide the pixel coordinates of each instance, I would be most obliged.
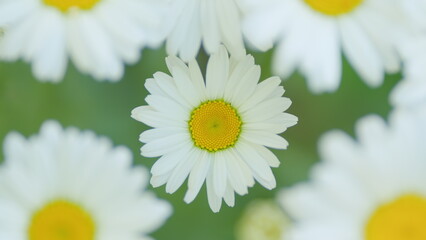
(334, 7)
(402, 219)
(65, 5)
(61, 220)
(215, 125)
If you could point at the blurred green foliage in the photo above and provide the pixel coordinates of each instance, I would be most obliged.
(105, 108)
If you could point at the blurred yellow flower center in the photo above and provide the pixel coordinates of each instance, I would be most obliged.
(61, 220)
(262, 220)
(333, 7)
(402, 219)
(65, 5)
(215, 125)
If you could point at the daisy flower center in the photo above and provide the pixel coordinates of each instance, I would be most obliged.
(65, 5)
(403, 219)
(215, 125)
(61, 220)
(333, 7)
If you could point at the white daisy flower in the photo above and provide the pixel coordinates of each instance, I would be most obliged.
(310, 34)
(99, 36)
(67, 184)
(210, 22)
(372, 189)
(216, 129)
(262, 220)
(411, 91)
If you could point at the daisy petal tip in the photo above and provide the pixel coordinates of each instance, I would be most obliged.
(154, 183)
(215, 209)
(12, 138)
(283, 145)
(51, 125)
(171, 187)
(276, 165)
(136, 113)
(142, 139)
(143, 152)
(330, 137)
(270, 185)
(242, 193)
(189, 198)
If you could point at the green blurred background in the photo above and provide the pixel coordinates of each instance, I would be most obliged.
(105, 108)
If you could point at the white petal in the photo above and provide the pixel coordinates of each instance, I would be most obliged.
(197, 78)
(217, 74)
(14, 11)
(262, 92)
(229, 22)
(182, 171)
(158, 133)
(246, 86)
(220, 173)
(47, 48)
(165, 145)
(277, 124)
(153, 88)
(186, 88)
(265, 138)
(150, 117)
(229, 196)
(236, 174)
(123, 30)
(258, 165)
(236, 74)
(167, 162)
(210, 26)
(159, 180)
(361, 53)
(245, 169)
(176, 41)
(215, 202)
(167, 84)
(13, 44)
(197, 176)
(266, 154)
(89, 43)
(265, 110)
(167, 106)
(323, 66)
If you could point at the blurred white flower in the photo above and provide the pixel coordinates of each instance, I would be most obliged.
(67, 184)
(99, 36)
(262, 220)
(214, 130)
(311, 36)
(415, 12)
(411, 91)
(372, 189)
(207, 22)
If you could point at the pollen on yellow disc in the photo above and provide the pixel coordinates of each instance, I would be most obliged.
(334, 7)
(61, 220)
(65, 5)
(402, 219)
(215, 125)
